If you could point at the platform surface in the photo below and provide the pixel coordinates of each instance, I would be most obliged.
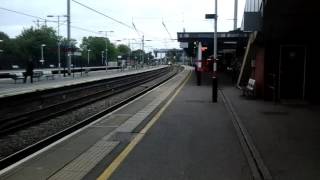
(9, 88)
(76, 155)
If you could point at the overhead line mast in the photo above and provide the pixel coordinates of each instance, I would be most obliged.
(69, 37)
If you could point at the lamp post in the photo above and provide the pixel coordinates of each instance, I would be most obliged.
(102, 58)
(142, 44)
(1, 49)
(214, 64)
(106, 34)
(59, 43)
(69, 37)
(119, 62)
(135, 62)
(89, 56)
(42, 59)
(129, 45)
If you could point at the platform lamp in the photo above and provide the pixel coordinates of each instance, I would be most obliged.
(89, 50)
(42, 59)
(1, 49)
(102, 52)
(58, 43)
(106, 34)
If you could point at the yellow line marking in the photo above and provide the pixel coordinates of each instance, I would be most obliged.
(119, 159)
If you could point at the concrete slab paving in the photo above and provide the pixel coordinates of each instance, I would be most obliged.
(193, 139)
(285, 135)
(77, 155)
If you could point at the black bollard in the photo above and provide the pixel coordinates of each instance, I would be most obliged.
(214, 89)
(198, 74)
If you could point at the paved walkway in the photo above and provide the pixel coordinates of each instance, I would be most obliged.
(193, 139)
(75, 155)
(287, 136)
(196, 139)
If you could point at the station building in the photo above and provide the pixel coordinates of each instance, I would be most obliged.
(278, 49)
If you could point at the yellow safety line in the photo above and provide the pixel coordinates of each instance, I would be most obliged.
(115, 164)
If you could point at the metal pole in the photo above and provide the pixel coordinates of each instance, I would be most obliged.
(142, 55)
(214, 89)
(106, 51)
(88, 57)
(42, 54)
(102, 56)
(68, 37)
(235, 14)
(215, 31)
(214, 78)
(106, 48)
(59, 62)
(129, 58)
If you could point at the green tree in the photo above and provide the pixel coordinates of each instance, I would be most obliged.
(29, 44)
(112, 52)
(8, 52)
(124, 51)
(149, 58)
(64, 47)
(138, 56)
(97, 45)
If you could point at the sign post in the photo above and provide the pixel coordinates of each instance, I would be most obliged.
(214, 64)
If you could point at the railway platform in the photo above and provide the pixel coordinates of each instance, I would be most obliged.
(8, 87)
(176, 132)
(236, 138)
(75, 155)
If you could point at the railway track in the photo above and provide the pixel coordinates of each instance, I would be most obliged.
(85, 96)
(21, 111)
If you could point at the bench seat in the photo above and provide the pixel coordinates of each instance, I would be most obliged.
(48, 75)
(86, 71)
(37, 75)
(249, 90)
(17, 76)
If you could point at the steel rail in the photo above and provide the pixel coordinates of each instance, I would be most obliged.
(5, 162)
(24, 119)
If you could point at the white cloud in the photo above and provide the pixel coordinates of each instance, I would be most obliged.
(147, 16)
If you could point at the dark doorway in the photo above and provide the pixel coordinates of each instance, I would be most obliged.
(292, 72)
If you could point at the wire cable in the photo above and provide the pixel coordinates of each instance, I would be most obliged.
(83, 29)
(166, 30)
(134, 26)
(120, 22)
(45, 20)
(22, 13)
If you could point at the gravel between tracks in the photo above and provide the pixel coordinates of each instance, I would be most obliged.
(17, 141)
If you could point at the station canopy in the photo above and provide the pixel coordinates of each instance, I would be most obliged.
(228, 42)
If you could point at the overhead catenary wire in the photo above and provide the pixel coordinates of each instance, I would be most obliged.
(134, 26)
(83, 29)
(22, 13)
(96, 11)
(37, 17)
(165, 27)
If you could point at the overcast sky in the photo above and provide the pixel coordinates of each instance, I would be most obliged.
(147, 16)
